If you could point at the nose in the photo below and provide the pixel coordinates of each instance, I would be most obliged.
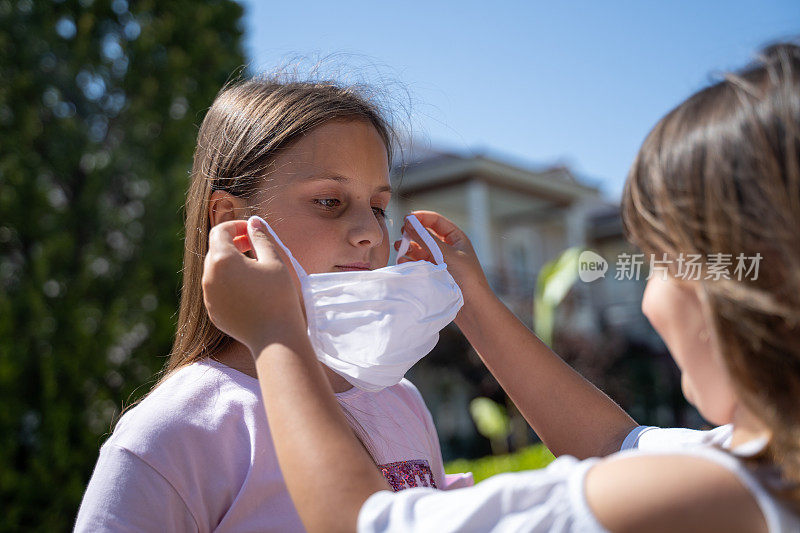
(365, 230)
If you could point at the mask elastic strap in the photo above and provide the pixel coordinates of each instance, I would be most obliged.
(426, 238)
(301, 273)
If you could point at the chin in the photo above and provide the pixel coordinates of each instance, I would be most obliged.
(715, 419)
(686, 388)
(717, 415)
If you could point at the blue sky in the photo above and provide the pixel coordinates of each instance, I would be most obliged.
(534, 83)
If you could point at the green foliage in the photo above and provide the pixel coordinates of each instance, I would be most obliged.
(530, 458)
(492, 422)
(552, 285)
(490, 418)
(99, 108)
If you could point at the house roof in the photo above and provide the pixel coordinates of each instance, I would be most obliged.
(427, 169)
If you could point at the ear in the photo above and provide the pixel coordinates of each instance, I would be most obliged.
(224, 206)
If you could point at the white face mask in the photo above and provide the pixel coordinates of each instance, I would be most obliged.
(371, 326)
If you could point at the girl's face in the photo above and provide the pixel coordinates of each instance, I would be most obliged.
(327, 195)
(675, 311)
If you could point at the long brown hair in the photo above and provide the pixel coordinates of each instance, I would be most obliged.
(248, 124)
(721, 174)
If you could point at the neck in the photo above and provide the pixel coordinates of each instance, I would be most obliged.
(238, 357)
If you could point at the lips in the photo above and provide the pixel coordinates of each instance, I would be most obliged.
(353, 266)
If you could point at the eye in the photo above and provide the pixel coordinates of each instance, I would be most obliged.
(328, 203)
(379, 212)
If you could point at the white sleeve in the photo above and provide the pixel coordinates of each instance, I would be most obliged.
(655, 439)
(127, 494)
(551, 499)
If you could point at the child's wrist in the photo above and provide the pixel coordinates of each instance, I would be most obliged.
(478, 297)
(294, 346)
(286, 333)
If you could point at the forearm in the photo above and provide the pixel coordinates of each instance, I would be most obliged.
(326, 470)
(568, 413)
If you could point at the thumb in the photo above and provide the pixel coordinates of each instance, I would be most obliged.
(264, 245)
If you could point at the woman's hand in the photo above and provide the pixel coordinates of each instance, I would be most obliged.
(252, 300)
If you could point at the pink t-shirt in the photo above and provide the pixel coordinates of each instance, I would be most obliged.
(196, 455)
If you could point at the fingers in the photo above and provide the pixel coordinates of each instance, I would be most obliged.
(415, 252)
(446, 230)
(263, 244)
(242, 243)
(424, 247)
(431, 221)
(222, 237)
(223, 256)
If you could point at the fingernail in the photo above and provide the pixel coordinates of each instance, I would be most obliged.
(257, 223)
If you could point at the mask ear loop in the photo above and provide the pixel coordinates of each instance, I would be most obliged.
(301, 273)
(426, 238)
(404, 245)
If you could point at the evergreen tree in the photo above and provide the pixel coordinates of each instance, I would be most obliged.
(99, 108)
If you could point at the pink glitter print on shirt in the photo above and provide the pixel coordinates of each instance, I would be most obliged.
(407, 474)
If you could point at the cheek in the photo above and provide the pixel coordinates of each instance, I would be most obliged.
(655, 308)
(705, 381)
(647, 309)
(380, 254)
(687, 388)
(676, 314)
(384, 250)
(304, 237)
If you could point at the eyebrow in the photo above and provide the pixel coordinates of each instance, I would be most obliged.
(342, 179)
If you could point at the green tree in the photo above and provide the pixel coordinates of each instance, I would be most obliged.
(99, 108)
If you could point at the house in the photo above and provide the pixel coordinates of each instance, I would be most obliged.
(517, 218)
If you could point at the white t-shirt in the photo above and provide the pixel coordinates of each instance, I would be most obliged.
(553, 499)
(196, 455)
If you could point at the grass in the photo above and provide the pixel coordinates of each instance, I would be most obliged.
(530, 458)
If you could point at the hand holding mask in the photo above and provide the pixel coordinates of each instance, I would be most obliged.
(372, 326)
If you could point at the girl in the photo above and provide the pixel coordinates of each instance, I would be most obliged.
(196, 453)
(718, 174)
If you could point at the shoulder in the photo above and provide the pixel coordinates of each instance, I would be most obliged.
(409, 390)
(196, 403)
(193, 436)
(403, 393)
(124, 489)
(670, 492)
(408, 394)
